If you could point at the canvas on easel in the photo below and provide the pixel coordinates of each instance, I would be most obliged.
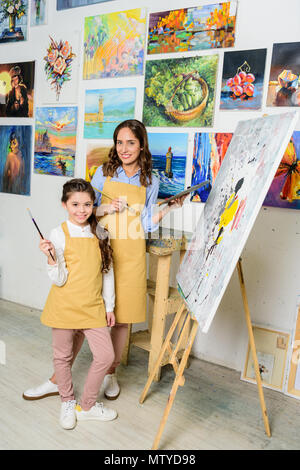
(240, 187)
(250, 164)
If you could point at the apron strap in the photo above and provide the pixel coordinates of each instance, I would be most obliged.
(64, 226)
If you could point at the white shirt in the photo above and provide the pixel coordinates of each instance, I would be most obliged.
(58, 272)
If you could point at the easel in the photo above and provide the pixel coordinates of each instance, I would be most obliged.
(185, 321)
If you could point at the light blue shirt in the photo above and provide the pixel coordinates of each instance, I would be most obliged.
(121, 177)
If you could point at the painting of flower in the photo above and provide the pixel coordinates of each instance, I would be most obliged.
(13, 20)
(58, 67)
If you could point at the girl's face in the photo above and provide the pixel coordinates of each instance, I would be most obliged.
(128, 146)
(79, 207)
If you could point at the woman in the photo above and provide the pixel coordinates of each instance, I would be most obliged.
(17, 100)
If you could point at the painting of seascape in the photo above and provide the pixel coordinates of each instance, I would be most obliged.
(55, 141)
(169, 152)
(105, 109)
(188, 29)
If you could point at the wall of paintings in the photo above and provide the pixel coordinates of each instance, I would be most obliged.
(71, 70)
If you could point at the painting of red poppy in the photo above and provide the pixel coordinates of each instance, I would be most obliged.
(285, 188)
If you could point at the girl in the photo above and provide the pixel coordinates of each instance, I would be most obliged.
(126, 178)
(75, 301)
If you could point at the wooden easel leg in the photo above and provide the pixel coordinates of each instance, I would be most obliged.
(177, 382)
(164, 348)
(253, 349)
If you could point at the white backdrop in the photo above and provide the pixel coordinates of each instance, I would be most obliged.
(270, 258)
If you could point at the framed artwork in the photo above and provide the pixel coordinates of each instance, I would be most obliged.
(240, 187)
(189, 29)
(66, 4)
(209, 151)
(17, 89)
(38, 12)
(180, 92)
(243, 79)
(169, 153)
(55, 141)
(293, 380)
(15, 159)
(285, 188)
(284, 81)
(271, 348)
(114, 44)
(105, 109)
(96, 155)
(58, 67)
(13, 20)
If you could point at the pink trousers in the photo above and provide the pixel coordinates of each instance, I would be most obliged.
(118, 337)
(66, 344)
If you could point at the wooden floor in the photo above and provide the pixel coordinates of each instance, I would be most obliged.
(214, 410)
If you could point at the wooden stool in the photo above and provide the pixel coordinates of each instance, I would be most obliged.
(163, 299)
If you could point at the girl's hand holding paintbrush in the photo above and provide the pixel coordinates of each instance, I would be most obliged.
(48, 249)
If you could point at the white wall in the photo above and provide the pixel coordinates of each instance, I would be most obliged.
(270, 258)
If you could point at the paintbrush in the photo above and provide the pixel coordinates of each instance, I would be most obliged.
(108, 197)
(31, 216)
(185, 192)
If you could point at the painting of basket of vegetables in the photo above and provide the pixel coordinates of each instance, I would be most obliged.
(180, 92)
(189, 98)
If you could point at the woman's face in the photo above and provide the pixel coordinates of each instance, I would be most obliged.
(14, 145)
(128, 146)
(15, 81)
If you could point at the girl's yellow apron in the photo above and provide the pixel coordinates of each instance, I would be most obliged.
(78, 304)
(129, 251)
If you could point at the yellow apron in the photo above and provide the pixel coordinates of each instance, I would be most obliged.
(78, 304)
(129, 251)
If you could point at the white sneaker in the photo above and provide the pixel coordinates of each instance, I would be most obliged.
(111, 387)
(97, 412)
(67, 418)
(47, 389)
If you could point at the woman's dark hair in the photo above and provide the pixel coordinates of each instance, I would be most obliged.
(79, 185)
(145, 158)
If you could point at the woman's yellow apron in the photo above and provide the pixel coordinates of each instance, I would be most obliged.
(78, 304)
(129, 251)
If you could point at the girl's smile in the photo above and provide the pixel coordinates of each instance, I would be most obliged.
(79, 207)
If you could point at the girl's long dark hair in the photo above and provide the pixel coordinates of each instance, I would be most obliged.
(145, 158)
(79, 185)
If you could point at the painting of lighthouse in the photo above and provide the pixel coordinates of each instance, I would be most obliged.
(169, 152)
(105, 109)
